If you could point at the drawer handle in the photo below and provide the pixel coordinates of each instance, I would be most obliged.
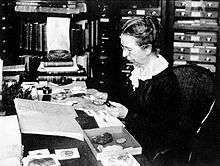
(181, 57)
(208, 39)
(208, 59)
(208, 51)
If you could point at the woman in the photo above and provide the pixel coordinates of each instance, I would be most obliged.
(154, 94)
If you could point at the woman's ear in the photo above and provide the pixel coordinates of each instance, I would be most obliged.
(148, 48)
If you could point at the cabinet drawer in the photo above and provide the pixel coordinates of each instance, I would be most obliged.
(196, 58)
(199, 14)
(207, 4)
(192, 48)
(198, 37)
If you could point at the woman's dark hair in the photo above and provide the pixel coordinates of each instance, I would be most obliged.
(145, 29)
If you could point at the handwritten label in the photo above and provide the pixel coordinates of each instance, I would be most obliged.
(194, 50)
(194, 58)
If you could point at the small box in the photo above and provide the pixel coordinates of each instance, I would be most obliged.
(118, 133)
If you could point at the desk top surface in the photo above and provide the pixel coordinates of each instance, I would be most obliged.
(35, 141)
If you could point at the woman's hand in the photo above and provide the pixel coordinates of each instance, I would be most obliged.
(116, 109)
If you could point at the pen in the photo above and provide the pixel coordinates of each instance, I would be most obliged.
(109, 104)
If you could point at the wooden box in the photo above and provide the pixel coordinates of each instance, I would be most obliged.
(118, 132)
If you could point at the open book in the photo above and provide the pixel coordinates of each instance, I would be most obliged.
(40, 117)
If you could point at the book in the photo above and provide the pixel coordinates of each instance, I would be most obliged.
(76, 39)
(13, 68)
(58, 69)
(47, 118)
(58, 63)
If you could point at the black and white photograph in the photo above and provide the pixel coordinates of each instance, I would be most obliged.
(109, 82)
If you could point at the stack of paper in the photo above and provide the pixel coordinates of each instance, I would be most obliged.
(40, 117)
(10, 144)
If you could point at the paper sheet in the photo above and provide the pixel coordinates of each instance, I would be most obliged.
(15, 161)
(24, 106)
(58, 37)
(10, 136)
(46, 118)
(48, 124)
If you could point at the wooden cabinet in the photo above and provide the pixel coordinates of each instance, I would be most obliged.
(8, 32)
(196, 33)
(24, 30)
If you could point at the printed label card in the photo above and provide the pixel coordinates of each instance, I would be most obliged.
(65, 154)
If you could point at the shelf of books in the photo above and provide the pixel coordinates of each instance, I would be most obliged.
(60, 34)
(196, 28)
(51, 6)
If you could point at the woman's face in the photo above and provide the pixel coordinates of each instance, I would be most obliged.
(134, 53)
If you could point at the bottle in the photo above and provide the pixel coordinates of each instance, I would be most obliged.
(47, 94)
(34, 94)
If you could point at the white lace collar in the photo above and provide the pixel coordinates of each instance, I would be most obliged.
(148, 71)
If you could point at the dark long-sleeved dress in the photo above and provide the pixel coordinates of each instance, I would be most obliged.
(154, 112)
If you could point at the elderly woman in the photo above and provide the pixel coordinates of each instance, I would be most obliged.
(153, 98)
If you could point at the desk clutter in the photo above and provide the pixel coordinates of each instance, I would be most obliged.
(44, 157)
(60, 114)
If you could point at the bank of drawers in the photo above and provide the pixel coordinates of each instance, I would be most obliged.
(103, 64)
(196, 33)
(8, 35)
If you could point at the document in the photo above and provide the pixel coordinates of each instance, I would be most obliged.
(99, 112)
(47, 119)
(12, 161)
(10, 136)
(58, 33)
(66, 154)
(30, 106)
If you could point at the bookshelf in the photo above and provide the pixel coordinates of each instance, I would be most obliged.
(35, 36)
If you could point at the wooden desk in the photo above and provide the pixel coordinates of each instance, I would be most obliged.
(34, 142)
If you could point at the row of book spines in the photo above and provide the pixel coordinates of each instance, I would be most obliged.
(62, 73)
(79, 38)
(51, 1)
(55, 5)
(33, 36)
(48, 3)
(59, 78)
(73, 5)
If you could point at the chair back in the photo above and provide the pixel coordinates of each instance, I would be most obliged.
(197, 93)
(204, 147)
